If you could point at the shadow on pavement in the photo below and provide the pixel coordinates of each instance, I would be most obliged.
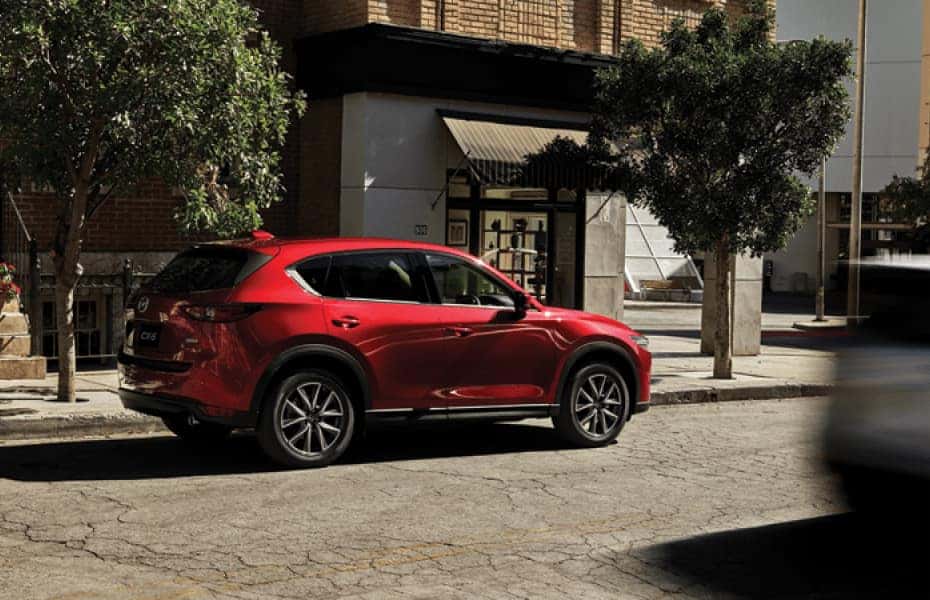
(838, 556)
(169, 457)
(680, 333)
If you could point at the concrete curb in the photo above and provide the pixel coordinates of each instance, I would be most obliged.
(733, 394)
(78, 426)
(102, 425)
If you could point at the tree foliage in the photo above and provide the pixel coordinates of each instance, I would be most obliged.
(111, 93)
(722, 120)
(909, 198)
(710, 130)
(97, 96)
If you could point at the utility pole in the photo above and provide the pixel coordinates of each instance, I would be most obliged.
(855, 224)
(821, 237)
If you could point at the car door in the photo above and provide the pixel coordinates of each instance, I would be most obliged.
(377, 303)
(496, 357)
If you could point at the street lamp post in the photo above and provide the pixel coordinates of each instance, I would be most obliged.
(855, 224)
(821, 235)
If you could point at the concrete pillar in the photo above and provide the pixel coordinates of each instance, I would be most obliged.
(745, 306)
(605, 254)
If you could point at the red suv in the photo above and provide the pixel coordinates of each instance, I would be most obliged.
(308, 340)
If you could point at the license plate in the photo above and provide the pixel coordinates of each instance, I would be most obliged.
(147, 336)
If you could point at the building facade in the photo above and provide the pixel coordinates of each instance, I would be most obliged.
(420, 115)
(896, 133)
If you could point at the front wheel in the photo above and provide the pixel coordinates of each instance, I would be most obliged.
(308, 422)
(594, 407)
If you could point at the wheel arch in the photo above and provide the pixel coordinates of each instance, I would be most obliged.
(314, 356)
(609, 352)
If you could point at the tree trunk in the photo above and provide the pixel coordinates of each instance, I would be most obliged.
(723, 358)
(67, 254)
(67, 360)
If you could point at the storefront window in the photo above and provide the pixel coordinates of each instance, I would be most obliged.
(515, 242)
(529, 234)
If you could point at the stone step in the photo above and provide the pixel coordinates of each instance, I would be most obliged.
(13, 323)
(14, 345)
(27, 367)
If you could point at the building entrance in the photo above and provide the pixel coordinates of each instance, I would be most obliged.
(535, 242)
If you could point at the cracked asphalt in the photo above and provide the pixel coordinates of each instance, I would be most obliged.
(702, 501)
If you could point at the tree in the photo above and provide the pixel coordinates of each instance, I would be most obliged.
(717, 123)
(100, 95)
(909, 200)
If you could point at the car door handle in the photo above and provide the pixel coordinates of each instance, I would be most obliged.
(346, 322)
(459, 331)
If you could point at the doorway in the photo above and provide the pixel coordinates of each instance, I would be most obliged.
(537, 242)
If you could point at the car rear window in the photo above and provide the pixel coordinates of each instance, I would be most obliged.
(202, 269)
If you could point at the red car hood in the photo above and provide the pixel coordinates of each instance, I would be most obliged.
(567, 313)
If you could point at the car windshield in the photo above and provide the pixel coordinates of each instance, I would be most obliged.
(202, 269)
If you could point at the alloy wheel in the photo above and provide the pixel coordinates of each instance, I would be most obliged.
(599, 404)
(312, 418)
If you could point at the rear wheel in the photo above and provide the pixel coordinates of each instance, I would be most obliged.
(309, 420)
(594, 407)
(194, 431)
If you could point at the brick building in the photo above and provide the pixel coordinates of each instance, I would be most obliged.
(420, 110)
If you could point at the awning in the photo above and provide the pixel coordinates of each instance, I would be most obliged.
(496, 150)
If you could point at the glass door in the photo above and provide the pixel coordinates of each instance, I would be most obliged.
(515, 242)
(534, 237)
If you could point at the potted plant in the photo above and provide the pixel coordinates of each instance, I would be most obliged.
(9, 291)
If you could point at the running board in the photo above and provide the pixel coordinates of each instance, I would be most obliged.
(463, 413)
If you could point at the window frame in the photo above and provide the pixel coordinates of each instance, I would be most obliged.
(475, 264)
(417, 264)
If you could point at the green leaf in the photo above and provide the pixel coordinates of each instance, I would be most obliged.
(173, 90)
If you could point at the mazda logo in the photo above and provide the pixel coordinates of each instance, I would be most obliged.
(143, 304)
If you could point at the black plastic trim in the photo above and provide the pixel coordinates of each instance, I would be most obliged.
(165, 366)
(308, 351)
(161, 406)
(600, 346)
(512, 412)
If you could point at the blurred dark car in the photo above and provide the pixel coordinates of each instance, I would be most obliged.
(877, 436)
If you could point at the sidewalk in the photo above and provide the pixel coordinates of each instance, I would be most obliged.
(791, 365)
(28, 409)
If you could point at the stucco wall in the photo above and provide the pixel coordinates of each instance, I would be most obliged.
(395, 153)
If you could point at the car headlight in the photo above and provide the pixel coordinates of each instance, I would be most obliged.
(641, 341)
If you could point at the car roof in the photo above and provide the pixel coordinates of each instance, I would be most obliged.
(300, 247)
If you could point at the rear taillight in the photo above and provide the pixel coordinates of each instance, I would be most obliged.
(220, 313)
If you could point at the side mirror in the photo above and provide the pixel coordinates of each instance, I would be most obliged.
(520, 304)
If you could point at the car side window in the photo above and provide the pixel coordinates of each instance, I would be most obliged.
(459, 282)
(314, 273)
(377, 276)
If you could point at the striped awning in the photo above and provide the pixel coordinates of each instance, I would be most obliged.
(497, 151)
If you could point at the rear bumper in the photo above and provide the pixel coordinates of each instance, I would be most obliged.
(209, 387)
(641, 407)
(161, 406)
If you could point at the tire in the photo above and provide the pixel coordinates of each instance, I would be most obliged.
(594, 407)
(196, 432)
(308, 421)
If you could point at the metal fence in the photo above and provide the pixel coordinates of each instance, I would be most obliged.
(113, 291)
(20, 249)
